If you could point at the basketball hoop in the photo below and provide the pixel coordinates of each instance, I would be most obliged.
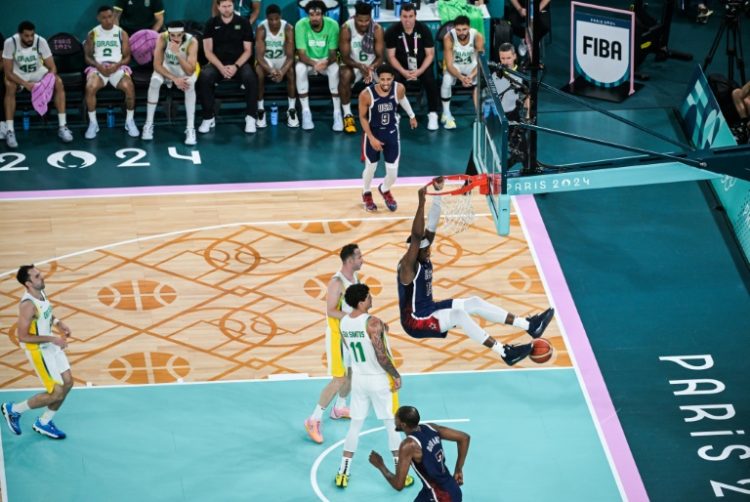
(457, 208)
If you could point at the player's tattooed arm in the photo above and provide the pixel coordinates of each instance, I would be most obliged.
(375, 330)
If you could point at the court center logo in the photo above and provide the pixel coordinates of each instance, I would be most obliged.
(71, 159)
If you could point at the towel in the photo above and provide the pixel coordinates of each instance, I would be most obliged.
(42, 92)
(142, 45)
(368, 40)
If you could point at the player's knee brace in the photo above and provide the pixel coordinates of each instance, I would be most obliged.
(446, 88)
(391, 173)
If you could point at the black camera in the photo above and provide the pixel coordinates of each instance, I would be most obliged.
(735, 7)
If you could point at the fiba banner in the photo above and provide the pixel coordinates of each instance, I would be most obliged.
(705, 126)
(602, 45)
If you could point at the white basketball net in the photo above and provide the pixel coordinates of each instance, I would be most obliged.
(458, 213)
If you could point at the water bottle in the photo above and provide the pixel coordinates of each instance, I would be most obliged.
(522, 49)
(26, 120)
(274, 114)
(110, 117)
(487, 108)
(376, 9)
(397, 8)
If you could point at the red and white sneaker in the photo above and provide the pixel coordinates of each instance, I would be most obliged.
(390, 202)
(339, 413)
(369, 203)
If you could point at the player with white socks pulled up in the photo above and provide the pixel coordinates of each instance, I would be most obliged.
(175, 63)
(378, 114)
(422, 317)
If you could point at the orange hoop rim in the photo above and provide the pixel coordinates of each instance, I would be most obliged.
(482, 181)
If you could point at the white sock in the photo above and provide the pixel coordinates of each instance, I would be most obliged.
(92, 117)
(336, 103)
(129, 115)
(150, 110)
(498, 348)
(20, 407)
(260, 104)
(47, 416)
(446, 107)
(292, 103)
(190, 107)
(317, 414)
(305, 102)
(340, 402)
(347, 108)
(520, 322)
(62, 119)
(346, 464)
(368, 174)
(9, 123)
(391, 173)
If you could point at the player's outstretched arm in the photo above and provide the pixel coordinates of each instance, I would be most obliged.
(405, 454)
(462, 440)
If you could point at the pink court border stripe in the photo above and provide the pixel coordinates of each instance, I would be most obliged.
(606, 416)
(211, 188)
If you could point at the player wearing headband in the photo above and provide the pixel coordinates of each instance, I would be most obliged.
(422, 317)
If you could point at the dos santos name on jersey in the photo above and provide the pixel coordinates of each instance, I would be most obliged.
(353, 334)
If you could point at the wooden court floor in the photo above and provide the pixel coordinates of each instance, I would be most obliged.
(228, 286)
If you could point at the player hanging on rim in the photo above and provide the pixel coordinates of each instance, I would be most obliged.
(337, 357)
(374, 377)
(378, 107)
(422, 317)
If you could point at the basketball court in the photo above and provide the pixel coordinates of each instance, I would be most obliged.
(194, 282)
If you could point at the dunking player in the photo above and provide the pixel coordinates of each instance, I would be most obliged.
(378, 105)
(374, 377)
(423, 448)
(338, 360)
(45, 352)
(422, 317)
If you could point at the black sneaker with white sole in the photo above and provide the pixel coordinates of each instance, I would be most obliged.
(538, 323)
(515, 353)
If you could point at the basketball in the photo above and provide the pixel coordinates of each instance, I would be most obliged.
(541, 351)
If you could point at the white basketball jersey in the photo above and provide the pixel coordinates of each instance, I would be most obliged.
(275, 43)
(343, 306)
(28, 60)
(464, 54)
(361, 352)
(357, 53)
(171, 59)
(41, 325)
(107, 44)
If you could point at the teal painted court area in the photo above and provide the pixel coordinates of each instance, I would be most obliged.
(532, 436)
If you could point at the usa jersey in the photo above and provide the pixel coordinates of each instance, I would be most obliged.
(416, 297)
(439, 484)
(383, 109)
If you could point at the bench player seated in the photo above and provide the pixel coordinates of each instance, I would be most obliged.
(175, 63)
(462, 44)
(274, 59)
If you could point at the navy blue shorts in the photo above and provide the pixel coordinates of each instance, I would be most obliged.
(391, 145)
(440, 495)
(425, 325)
